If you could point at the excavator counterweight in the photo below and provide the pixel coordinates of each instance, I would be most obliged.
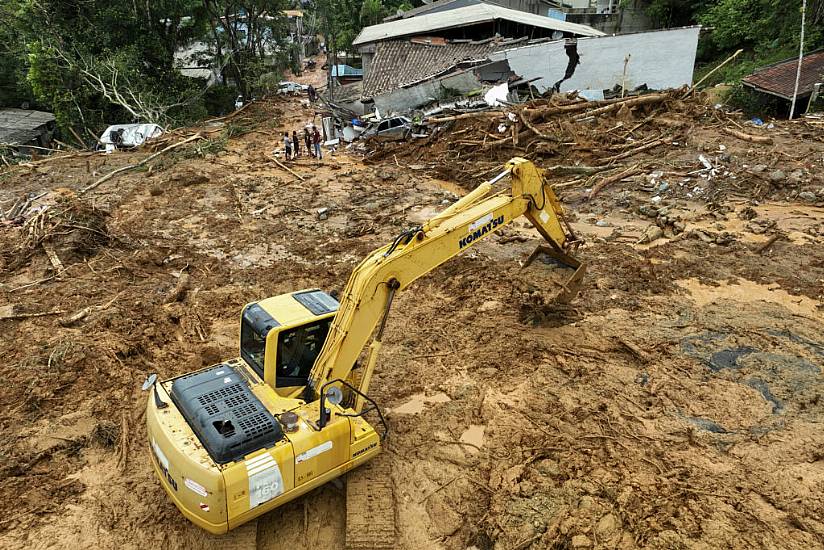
(237, 439)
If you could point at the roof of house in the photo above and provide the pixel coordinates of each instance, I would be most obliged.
(399, 63)
(20, 126)
(779, 79)
(441, 5)
(346, 70)
(462, 17)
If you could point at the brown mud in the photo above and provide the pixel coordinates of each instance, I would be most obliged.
(676, 403)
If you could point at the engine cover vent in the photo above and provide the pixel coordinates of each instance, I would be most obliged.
(227, 418)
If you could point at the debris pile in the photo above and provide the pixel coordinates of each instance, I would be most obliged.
(595, 144)
(65, 227)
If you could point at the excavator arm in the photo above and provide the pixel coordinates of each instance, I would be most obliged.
(368, 295)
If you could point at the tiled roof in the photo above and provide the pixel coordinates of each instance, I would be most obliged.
(429, 23)
(399, 63)
(779, 79)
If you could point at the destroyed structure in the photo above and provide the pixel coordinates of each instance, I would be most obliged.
(434, 56)
(19, 127)
(778, 80)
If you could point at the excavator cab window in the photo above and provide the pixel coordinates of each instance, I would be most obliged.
(297, 350)
(254, 326)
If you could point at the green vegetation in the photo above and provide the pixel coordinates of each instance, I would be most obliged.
(767, 30)
(99, 62)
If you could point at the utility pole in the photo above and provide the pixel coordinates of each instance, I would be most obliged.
(800, 57)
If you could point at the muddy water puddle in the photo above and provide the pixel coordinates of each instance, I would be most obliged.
(418, 402)
(746, 291)
(474, 435)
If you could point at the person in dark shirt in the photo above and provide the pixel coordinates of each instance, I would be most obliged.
(316, 142)
(307, 140)
(295, 144)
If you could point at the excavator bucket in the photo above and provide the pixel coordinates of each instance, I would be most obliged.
(572, 285)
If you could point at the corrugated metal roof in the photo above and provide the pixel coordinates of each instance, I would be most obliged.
(399, 63)
(779, 79)
(461, 17)
(425, 8)
(443, 5)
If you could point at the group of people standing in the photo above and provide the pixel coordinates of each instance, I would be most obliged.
(311, 139)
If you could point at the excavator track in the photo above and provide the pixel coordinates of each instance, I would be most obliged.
(370, 506)
(242, 538)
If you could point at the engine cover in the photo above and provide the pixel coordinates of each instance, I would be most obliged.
(223, 412)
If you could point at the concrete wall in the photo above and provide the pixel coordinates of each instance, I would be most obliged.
(623, 21)
(403, 99)
(659, 59)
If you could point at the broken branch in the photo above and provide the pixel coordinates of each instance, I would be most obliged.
(748, 137)
(598, 187)
(30, 315)
(113, 173)
(301, 178)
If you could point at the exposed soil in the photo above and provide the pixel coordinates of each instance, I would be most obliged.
(676, 403)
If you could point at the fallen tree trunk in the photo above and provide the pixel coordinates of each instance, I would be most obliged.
(631, 102)
(462, 116)
(537, 115)
(601, 185)
(766, 140)
(575, 170)
(113, 173)
(632, 152)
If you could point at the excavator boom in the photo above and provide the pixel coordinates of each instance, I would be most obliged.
(372, 285)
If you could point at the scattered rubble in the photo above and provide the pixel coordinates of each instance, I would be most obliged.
(675, 403)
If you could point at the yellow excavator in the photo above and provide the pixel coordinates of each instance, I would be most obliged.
(235, 440)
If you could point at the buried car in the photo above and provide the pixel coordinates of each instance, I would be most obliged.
(391, 129)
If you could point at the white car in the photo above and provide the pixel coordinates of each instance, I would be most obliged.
(287, 87)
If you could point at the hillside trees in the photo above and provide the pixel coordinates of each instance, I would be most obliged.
(95, 62)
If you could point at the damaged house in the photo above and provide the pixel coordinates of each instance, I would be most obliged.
(778, 80)
(412, 62)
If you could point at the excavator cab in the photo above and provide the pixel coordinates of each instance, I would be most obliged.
(234, 440)
(280, 337)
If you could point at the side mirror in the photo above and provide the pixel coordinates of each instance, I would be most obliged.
(151, 382)
(334, 395)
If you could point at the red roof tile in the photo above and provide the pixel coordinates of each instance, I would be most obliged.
(779, 79)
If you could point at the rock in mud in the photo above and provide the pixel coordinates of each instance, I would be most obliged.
(581, 541)
(648, 211)
(747, 213)
(652, 234)
(806, 196)
(490, 305)
(606, 526)
(778, 176)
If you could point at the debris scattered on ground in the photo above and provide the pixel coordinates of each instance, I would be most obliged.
(675, 403)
